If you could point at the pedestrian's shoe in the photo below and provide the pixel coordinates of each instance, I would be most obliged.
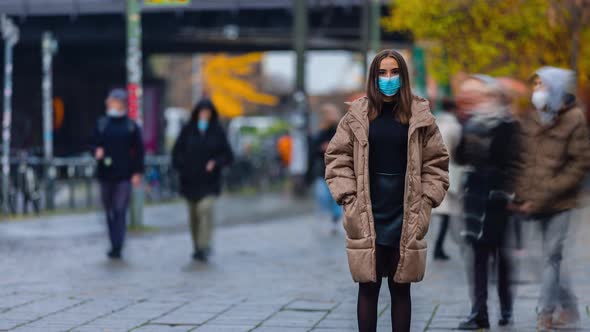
(202, 255)
(114, 254)
(566, 318)
(440, 255)
(544, 322)
(474, 323)
(506, 319)
(196, 255)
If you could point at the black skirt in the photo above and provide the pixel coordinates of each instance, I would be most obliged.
(387, 200)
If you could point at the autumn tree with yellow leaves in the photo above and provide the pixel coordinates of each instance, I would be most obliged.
(225, 80)
(497, 37)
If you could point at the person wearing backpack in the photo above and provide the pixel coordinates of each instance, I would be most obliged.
(117, 146)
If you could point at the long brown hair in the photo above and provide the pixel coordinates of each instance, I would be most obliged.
(403, 99)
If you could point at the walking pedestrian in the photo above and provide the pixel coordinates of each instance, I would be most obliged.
(388, 166)
(330, 118)
(199, 154)
(451, 207)
(489, 150)
(117, 146)
(556, 158)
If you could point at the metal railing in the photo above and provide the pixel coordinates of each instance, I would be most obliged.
(69, 183)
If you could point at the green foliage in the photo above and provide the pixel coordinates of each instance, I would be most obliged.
(497, 37)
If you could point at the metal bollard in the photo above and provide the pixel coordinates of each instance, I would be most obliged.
(72, 186)
(50, 187)
(88, 171)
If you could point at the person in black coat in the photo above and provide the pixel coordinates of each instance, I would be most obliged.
(117, 145)
(199, 154)
(489, 150)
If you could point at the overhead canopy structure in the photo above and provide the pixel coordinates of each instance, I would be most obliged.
(200, 26)
(92, 44)
(92, 7)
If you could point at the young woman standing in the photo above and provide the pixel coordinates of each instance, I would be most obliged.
(388, 166)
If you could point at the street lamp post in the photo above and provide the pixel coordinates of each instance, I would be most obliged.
(48, 49)
(375, 30)
(135, 92)
(300, 118)
(10, 35)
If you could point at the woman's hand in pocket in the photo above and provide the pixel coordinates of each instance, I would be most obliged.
(424, 220)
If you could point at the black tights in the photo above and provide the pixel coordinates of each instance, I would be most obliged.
(368, 298)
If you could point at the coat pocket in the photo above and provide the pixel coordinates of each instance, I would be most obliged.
(352, 221)
(424, 220)
(415, 261)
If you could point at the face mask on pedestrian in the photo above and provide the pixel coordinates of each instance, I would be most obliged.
(115, 113)
(540, 99)
(203, 125)
(389, 86)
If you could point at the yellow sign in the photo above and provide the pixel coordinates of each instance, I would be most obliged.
(166, 2)
(226, 81)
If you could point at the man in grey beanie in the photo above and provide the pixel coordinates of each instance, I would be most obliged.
(118, 149)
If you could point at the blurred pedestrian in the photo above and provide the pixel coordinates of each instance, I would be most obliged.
(284, 147)
(118, 148)
(388, 166)
(489, 150)
(199, 154)
(319, 143)
(556, 157)
(451, 206)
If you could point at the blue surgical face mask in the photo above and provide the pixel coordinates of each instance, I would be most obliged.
(203, 125)
(115, 113)
(389, 86)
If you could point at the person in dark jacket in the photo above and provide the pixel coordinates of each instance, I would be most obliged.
(199, 154)
(118, 148)
(489, 150)
(319, 143)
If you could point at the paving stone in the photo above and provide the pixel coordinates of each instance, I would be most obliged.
(163, 328)
(337, 324)
(284, 275)
(222, 328)
(312, 305)
(282, 329)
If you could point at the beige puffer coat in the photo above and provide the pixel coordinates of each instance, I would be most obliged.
(555, 159)
(347, 175)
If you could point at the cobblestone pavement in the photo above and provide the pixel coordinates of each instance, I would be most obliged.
(287, 274)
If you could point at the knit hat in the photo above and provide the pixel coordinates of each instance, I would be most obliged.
(118, 94)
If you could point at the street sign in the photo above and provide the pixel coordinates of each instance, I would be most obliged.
(166, 2)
